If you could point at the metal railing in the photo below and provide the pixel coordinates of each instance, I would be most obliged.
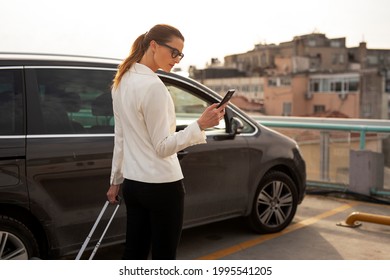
(326, 144)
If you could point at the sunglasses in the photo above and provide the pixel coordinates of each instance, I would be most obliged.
(174, 52)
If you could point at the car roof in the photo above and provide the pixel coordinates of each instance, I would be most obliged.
(29, 59)
(12, 59)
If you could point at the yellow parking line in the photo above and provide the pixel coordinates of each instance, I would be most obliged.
(263, 238)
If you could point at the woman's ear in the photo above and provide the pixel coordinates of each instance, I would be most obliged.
(153, 45)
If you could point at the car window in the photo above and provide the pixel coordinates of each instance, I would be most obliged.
(190, 107)
(75, 101)
(11, 102)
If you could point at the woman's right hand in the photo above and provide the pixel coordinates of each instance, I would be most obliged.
(112, 193)
(211, 116)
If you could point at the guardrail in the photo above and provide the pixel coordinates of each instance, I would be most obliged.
(352, 125)
(325, 125)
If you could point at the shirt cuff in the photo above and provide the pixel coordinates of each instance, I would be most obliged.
(202, 135)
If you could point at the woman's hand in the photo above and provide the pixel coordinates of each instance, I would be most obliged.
(112, 193)
(211, 116)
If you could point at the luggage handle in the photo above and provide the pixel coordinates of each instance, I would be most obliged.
(93, 229)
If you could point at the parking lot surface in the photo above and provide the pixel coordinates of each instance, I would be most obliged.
(313, 235)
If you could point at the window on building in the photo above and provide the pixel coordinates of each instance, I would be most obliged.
(272, 82)
(371, 59)
(338, 58)
(312, 43)
(315, 62)
(287, 108)
(336, 86)
(319, 108)
(335, 59)
(387, 86)
(279, 81)
(388, 109)
(351, 85)
(315, 85)
(245, 88)
(341, 59)
(335, 44)
(285, 81)
(325, 85)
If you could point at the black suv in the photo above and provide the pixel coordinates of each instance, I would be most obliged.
(56, 142)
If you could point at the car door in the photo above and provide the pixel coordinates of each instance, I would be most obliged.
(69, 150)
(216, 173)
(12, 139)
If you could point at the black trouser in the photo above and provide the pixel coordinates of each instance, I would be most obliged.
(154, 219)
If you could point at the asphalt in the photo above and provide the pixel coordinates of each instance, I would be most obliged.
(315, 234)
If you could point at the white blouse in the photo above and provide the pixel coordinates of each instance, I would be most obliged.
(145, 123)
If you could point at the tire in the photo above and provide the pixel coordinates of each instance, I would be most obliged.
(275, 203)
(17, 242)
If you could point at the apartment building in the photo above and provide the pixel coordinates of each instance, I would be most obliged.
(309, 75)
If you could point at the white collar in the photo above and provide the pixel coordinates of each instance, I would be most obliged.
(142, 69)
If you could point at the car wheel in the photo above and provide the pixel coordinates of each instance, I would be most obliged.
(16, 241)
(275, 203)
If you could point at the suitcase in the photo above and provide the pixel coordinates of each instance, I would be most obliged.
(93, 229)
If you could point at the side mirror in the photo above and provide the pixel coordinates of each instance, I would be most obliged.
(236, 126)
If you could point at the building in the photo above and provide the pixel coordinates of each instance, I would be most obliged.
(309, 75)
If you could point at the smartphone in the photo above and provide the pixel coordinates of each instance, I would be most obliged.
(227, 97)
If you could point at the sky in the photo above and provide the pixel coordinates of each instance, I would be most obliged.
(212, 28)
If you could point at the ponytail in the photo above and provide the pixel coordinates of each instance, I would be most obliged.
(137, 51)
(160, 33)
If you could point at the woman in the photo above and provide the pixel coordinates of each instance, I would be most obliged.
(144, 158)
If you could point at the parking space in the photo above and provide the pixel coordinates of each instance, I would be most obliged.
(314, 235)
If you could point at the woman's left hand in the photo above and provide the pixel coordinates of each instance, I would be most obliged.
(211, 116)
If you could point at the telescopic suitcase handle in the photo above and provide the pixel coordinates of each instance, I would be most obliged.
(93, 230)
